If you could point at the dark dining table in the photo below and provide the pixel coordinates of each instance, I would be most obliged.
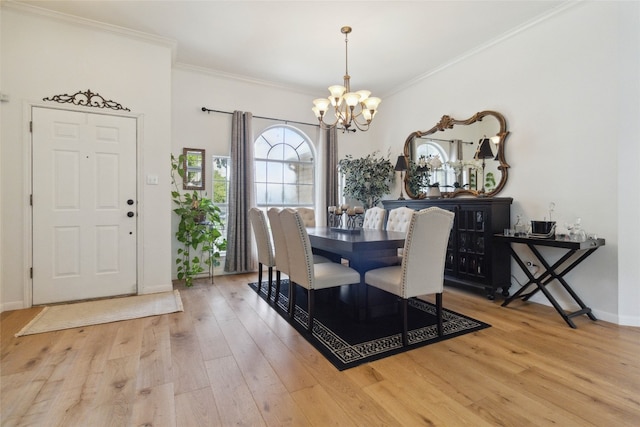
(364, 249)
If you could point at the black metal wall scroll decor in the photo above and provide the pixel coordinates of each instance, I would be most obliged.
(88, 99)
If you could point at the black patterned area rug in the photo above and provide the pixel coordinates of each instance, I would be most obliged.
(347, 342)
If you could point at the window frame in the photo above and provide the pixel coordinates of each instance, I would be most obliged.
(224, 207)
(281, 201)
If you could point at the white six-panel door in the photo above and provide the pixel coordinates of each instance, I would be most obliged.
(84, 205)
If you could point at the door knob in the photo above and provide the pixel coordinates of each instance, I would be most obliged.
(130, 214)
(130, 202)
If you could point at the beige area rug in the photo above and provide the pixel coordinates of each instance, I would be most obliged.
(66, 316)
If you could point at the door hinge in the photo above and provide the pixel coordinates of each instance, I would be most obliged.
(31, 199)
(31, 126)
(31, 272)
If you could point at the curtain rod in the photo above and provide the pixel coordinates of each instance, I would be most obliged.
(444, 140)
(208, 110)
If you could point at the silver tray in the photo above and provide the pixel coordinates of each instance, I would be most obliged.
(549, 235)
(346, 230)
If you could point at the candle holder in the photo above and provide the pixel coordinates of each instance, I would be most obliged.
(345, 218)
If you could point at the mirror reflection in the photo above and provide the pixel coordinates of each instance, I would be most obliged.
(194, 169)
(458, 157)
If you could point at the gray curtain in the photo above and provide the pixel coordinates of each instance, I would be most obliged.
(240, 258)
(331, 165)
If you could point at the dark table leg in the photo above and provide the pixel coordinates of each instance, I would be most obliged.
(357, 296)
(547, 277)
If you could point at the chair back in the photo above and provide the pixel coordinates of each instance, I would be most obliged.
(374, 218)
(399, 219)
(263, 238)
(301, 270)
(425, 251)
(279, 241)
(308, 216)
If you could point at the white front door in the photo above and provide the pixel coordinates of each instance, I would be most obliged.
(84, 205)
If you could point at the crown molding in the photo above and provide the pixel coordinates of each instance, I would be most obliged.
(91, 24)
(241, 78)
(505, 36)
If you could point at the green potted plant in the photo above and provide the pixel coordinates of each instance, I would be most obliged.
(367, 179)
(417, 179)
(198, 229)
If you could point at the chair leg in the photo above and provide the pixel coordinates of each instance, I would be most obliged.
(405, 322)
(270, 281)
(310, 305)
(439, 313)
(259, 276)
(277, 287)
(292, 298)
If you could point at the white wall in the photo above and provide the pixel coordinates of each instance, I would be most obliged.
(195, 88)
(568, 88)
(628, 188)
(43, 57)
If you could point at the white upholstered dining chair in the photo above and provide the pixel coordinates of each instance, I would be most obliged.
(308, 216)
(399, 219)
(303, 271)
(374, 218)
(281, 252)
(422, 268)
(280, 247)
(265, 248)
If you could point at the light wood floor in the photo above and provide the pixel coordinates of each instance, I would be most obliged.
(228, 359)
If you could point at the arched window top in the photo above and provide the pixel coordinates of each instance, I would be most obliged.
(285, 168)
(283, 143)
(432, 149)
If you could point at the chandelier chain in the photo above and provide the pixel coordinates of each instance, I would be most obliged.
(346, 61)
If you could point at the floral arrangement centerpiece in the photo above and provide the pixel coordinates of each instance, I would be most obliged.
(433, 164)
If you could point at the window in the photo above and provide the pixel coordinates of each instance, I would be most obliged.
(285, 168)
(445, 176)
(220, 178)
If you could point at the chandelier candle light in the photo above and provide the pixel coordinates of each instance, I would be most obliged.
(351, 108)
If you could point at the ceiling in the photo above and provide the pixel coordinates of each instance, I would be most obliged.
(298, 44)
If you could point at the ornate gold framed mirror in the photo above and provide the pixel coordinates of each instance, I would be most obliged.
(194, 168)
(458, 157)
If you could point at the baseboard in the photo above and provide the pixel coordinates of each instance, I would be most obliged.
(603, 315)
(629, 321)
(18, 305)
(14, 305)
(600, 315)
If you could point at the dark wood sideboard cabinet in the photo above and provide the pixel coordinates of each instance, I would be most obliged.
(474, 257)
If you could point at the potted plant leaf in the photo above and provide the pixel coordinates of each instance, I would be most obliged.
(198, 229)
(367, 179)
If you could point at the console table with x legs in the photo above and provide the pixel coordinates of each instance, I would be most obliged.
(576, 252)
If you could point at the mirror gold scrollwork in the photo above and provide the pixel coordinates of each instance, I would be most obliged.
(459, 157)
(194, 168)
